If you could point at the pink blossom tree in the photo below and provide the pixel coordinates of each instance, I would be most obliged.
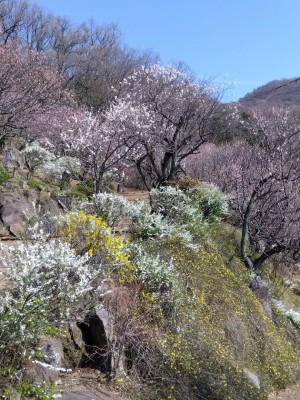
(29, 88)
(264, 182)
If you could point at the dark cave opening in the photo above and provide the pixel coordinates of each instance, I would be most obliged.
(96, 344)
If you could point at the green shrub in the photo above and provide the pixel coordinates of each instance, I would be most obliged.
(209, 201)
(85, 189)
(107, 183)
(35, 183)
(39, 392)
(5, 176)
(76, 194)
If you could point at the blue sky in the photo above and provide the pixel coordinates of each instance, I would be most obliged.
(249, 42)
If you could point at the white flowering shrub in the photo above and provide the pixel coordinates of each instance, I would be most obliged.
(153, 271)
(183, 235)
(145, 223)
(69, 164)
(45, 282)
(158, 276)
(111, 208)
(36, 155)
(137, 216)
(171, 212)
(172, 203)
(202, 203)
(54, 169)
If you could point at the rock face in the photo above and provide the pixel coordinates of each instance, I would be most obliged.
(49, 366)
(15, 210)
(4, 232)
(261, 289)
(52, 350)
(74, 345)
(296, 288)
(13, 160)
(96, 340)
(96, 344)
(19, 205)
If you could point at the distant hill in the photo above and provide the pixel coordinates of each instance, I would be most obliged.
(282, 92)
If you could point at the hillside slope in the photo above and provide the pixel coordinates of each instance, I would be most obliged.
(284, 92)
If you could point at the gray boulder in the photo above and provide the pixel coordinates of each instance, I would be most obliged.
(296, 288)
(49, 366)
(261, 289)
(13, 159)
(4, 233)
(15, 210)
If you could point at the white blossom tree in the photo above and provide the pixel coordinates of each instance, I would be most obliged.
(159, 118)
(175, 116)
(102, 142)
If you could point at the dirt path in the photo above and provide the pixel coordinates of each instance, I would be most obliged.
(86, 384)
(135, 194)
(291, 393)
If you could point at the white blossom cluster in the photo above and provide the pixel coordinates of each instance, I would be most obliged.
(45, 282)
(47, 164)
(36, 155)
(173, 204)
(56, 168)
(159, 275)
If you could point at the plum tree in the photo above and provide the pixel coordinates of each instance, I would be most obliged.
(175, 116)
(263, 179)
(29, 88)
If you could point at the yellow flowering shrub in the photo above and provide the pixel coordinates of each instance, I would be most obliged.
(220, 334)
(88, 233)
(201, 330)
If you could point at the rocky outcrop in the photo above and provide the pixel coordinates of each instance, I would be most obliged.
(13, 160)
(20, 205)
(49, 365)
(261, 289)
(15, 210)
(74, 345)
(296, 288)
